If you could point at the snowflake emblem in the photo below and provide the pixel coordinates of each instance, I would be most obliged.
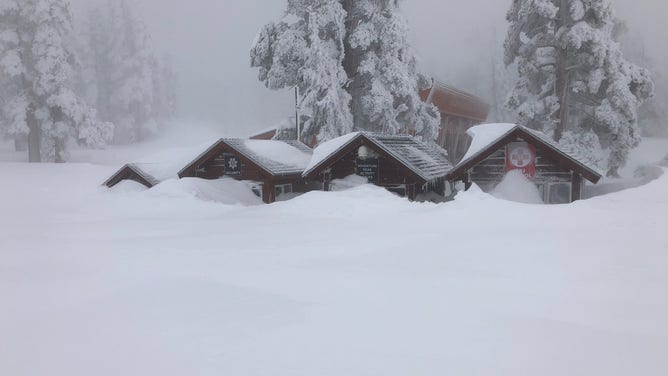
(233, 163)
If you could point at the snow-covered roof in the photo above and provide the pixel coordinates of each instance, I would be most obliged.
(161, 166)
(485, 136)
(276, 157)
(326, 149)
(426, 161)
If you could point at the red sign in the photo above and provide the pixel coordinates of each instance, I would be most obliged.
(521, 156)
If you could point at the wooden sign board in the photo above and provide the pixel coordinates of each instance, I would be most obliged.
(233, 165)
(521, 156)
(368, 168)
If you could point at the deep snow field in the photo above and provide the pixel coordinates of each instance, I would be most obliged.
(172, 281)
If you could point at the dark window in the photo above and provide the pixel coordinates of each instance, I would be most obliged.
(559, 193)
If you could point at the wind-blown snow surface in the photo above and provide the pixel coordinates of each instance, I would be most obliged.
(358, 282)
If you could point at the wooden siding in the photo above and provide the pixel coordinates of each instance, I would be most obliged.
(490, 171)
(493, 169)
(391, 173)
(213, 167)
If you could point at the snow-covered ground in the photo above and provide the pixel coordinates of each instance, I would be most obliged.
(354, 282)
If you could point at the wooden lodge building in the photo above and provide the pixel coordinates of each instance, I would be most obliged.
(276, 166)
(459, 112)
(399, 163)
(497, 149)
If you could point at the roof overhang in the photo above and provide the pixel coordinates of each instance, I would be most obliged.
(519, 132)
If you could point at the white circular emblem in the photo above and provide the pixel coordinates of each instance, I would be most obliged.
(521, 156)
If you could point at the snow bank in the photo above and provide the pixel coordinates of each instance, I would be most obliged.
(516, 187)
(356, 282)
(348, 182)
(225, 191)
(128, 186)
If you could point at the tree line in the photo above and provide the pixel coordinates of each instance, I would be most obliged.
(565, 73)
(91, 84)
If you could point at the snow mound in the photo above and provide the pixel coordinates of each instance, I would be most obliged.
(348, 182)
(128, 186)
(225, 191)
(516, 187)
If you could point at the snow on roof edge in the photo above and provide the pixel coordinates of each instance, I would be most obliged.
(326, 149)
(478, 147)
(479, 144)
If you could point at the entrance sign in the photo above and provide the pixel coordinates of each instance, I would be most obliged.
(232, 165)
(521, 156)
(368, 168)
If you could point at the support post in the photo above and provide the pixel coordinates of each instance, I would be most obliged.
(576, 187)
(268, 193)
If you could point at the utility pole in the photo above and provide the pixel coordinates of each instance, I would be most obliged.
(297, 120)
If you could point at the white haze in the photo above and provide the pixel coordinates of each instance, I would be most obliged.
(209, 42)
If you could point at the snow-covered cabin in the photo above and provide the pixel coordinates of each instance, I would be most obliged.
(138, 172)
(459, 112)
(156, 168)
(400, 163)
(276, 166)
(497, 149)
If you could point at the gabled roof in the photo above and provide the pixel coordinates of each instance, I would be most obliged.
(277, 158)
(157, 167)
(140, 173)
(427, 162)
(488, 138)
(452, 101)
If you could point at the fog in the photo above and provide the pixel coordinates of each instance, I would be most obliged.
(209, 43)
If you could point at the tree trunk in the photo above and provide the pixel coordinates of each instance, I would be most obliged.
(562, 86)
(60, 150)
(564, 89)
(59, 142)
(350, 64)
(21, 143)
(34, 137)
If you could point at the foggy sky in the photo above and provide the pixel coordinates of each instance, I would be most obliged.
(209, 42)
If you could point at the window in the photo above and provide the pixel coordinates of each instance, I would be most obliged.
(283, 189)
(559, 193)
(257, 190)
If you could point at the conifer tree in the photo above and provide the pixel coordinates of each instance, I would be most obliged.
(305, 49)
(382, 68)
(132, 87)
(572, 75)
(358, 74)
(37, 61)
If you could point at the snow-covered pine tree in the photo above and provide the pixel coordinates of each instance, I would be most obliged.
(305, 49)
(382, 69)
(131, 87)
(37, 58)
(653, 114)
(573, 76)
(378, 75)
(164, 90)
(13, 102)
